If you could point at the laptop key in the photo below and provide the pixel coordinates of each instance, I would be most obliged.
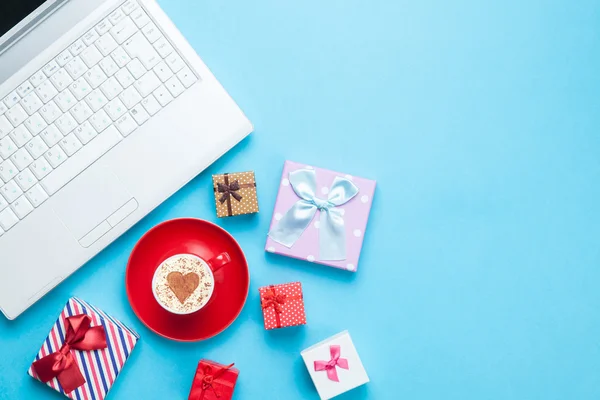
(64, 57)
(163, 96)
(123, 30)
(50, 112)
(50, 68)
(8, 219)
(24, 89)
(46, 91)
(31, 103)
(8, 171)
(140, 114)
(76, 48)
(104, 26)
(187, 77)
(36, 147)
(61, 79)
(91, 56)
(129, 7)
(11, 191)
(140, 18)
(96, 100)
(20, 136)
(151, 105)
(85, 132)
(51, 135)
(26, 180)
(130, 97)
(106, 44)
(55, 156)
(22, 207)
(36, 196)
(116, 16)
(126, 124)
(16, 115)
(12, 99)
(40, 168)
(80, 88)
(7, 147)
(37, 78)
(147, 84)
(115, 109)
(70, 144)
(35, 123)
(21, 159)
(100, 121)
(76, 68)
(90, 37)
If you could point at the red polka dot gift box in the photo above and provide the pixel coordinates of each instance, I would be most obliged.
(282, 305)
(213, 381)
(320, 216)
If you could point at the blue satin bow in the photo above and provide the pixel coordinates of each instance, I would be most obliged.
(332, 236)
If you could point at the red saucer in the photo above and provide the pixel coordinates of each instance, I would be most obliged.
(189, 236)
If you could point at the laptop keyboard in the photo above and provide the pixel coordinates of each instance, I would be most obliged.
(82, 103)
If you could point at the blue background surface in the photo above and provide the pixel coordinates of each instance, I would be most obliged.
(479, 275)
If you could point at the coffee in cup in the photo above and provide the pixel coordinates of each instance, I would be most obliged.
(183, 284)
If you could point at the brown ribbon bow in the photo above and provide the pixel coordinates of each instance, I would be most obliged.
(229, 190)
(207, 380)
(62, 364)
(272, 299)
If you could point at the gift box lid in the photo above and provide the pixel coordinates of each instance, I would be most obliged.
(354, 213)
(99, 368)
(350, 372)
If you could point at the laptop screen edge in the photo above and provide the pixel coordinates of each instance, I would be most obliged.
(28, 23)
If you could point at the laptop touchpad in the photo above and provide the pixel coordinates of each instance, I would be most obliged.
(84, 203)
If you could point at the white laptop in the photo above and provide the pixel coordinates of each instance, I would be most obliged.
(106, 112)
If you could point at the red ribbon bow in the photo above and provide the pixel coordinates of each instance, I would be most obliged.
(330, 366)
(271, 299)
(61, 364)
(207, 382)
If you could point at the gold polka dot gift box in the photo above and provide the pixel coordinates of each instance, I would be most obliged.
(282, 305)
(235, 194)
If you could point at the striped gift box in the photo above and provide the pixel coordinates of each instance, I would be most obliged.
(100, 368)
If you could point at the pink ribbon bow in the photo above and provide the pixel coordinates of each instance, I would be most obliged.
(330, 366)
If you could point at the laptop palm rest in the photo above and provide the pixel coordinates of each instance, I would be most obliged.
(86, 203)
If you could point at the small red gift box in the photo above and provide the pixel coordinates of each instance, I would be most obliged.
(213, 381)
(282, 305)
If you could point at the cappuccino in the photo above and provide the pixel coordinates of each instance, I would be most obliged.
(183, 284)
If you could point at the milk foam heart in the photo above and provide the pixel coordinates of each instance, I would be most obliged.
(183, 284)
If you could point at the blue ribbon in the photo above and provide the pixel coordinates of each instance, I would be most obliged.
(332, 236)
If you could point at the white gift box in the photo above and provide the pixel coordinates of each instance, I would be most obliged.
(334, 366)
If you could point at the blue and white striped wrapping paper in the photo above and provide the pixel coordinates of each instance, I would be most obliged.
(100, 368)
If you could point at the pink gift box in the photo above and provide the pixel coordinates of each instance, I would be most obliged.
(99, 368)
(355, 214)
